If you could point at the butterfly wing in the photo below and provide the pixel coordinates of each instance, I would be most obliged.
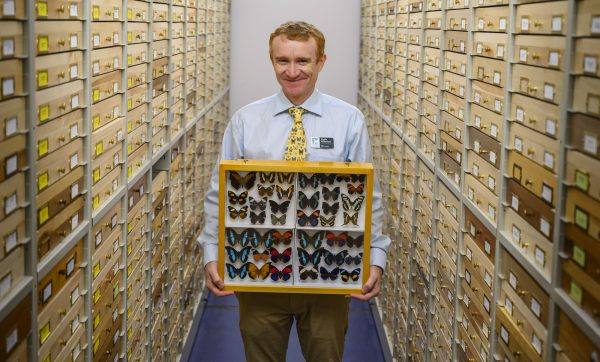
(356, 242)
(305, 181)
(258, 204)
(285, 177)
(235, 179)
(328, 178)
(327, 221)
(317, 239)
(332, 194)
(231, 236)
(303, 238)
(350, 218)
(313, 219)
(265, 191)
(231, 271)
(267, 177)
(314, 200)
(357, 204)
(231, 254)
(303, 256)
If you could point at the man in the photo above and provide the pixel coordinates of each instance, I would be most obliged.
(261, 130)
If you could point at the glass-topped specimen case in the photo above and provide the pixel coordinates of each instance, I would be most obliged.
(295, 227)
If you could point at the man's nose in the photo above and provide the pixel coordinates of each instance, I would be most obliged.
(292, 69)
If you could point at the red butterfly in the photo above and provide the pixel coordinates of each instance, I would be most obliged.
(284, 274)
(356, 189)
(283, 256)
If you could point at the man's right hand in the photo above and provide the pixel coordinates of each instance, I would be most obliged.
(214, 283)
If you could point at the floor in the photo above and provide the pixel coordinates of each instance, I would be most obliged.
(218, 338)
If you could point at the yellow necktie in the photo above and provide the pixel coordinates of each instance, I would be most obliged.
(296, 144)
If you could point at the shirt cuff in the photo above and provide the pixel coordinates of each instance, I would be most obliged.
(378, 257)
(211, 253)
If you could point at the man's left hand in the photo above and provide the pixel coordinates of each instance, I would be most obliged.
(373, 285)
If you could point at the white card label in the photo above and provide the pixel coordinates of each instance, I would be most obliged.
(8, 87)
(494, 130)
(74, 221)
(471, 195)
(115, 87)
(10, 241)
(98, 238)
(96, 40)
(463, 69)
(556, 23)
(497, 105)
(9, 8)
(484, 327)
(73, 10)
(5, 283)
(115, 13)
(544, 226)
(475, 170)
(116, 63)
(73, 71)
(508, 305)
(535, 307)
(504, 334)
(553, 59)
(73, 41)
(478, 121)
(496, 79)
(469, 254)
(502, 24)
(551, 127)
(492, 212)
(491, 183)
(590, 142)
(537, 344)
(590, 64)
(595, 28)
(11, 165)
(74, 101)
(500, 51)
(74, 190)
(540, 256)
(488, 279)
(70, 266)
(480, 24)
(523, 55)
(548, 159)
(515, 202)
(479, 48)
(10, 203)
(487, 247)
(74, 131)
(493, 157)
(96, 67)
(462, 46)
(477, 97)
(512, 280)
(8, 47)
(75, 323)
(463, 24)
(520, 114)
(524, 24)
(115, 38)
(516, 233)
(74, 295)
(47, 292)
(74, 161)
(549, 91)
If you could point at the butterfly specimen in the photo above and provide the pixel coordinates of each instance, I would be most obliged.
(331, 258)
(284, 274)
(265, 191)
(306, 273)
(232, 271)
(256, 239)
(349, 275)
(306, 181)
(304, 201)
(355, 242)
(260, 255)
(239, 199)
(279, 208)
(234, 255)
(235, 213)
(284, 256)
(356, 189)
(352, 205)
(258, 204)
(285, 193)
(258, 218)
(327, 178)
(312, 219)
(327, 221)
(349, 259)
(351, 218)
(243, 238)
(278, 219)
(305, 257)
(238, 181)
(326, 274)
(266, 177)
(331, 209)
(306, 240)
(278, 237)
(353, 178)
(285, 177)
(262, 272)
(333, 239)
(332, 194)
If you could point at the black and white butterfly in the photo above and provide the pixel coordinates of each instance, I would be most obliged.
(283, 193)
(350, 205)
(305, 181)
(258, 204)
(306, 202)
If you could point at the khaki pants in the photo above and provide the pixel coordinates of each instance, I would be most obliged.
(266, 320)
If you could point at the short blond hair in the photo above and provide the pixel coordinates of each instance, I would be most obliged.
(299, 30)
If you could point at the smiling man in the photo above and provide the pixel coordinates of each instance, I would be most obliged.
(297, 123)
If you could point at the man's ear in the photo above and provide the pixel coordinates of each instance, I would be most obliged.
(321, 62)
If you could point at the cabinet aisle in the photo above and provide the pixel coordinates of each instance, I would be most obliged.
(112, 113)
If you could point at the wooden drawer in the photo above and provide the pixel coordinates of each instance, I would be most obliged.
(55, 230)
(106, 256)
(105, 187)
(530, 208)
(482, 197)
(159, 104)
(580, 210)
(451, 147)
(103, 10)
(584, 172)
(159, 49)
(12, 9)
(574, 344)
(106, 60)
(486, 121)
(160, 31)
(136, 138)
(582, 250)
(487, 147)
(136, 75)
(137, 11)
(455, 84)
(453, 105)
(15, 328)
(430, 93)
(136, 96)
(484, 239)
(432, 38)
(537, 115)
(160, 12)
(431, 74)
(11, 44)
(432, 57)
(177, 47)
(490, 45)
(11, 74)
(456, 41)
(136, 160)
(106, 111)
(588, 20)
(12, 266)
(485, 173)
(584, 134)
(57, 197)
(54, 166)
(50, 285)
(541, 18)
(12, 118)
(512, 340)
(456, 63)
(107, 137)
(104, 228)
(12, 157)
(493, 19)
(539, 148)
(57, 69)
(488, 96)
(581, 288)
(457, 19)
(137, 33)
(177, 30)
(539, 83)
(59, 100)
(433, 20)
(535, 246)
(450, 167)
(544, 51)
(587, 55)
(536, 178)
(58, 9)
(478, 263)
(105, 34)
(106, 85)
(13, 233)
(586, 98)
(490, 71)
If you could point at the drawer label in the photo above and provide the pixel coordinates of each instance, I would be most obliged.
(129, 14)
(553, 59)
(581, 218)
(42, 147)
(42, 9)
(95, 12)
(42, 78)
(579, 255)
(576, 293)
(557, 23)
(8, 47)
(590, 64)
(535, 307)
(595, 28)
(96, 202)
(44, 333)
(96, 296)
(96, 270)
(99, 148)
(73, 10)
(95, 122)
(42, 41)
(544, 226)
(43, 215)
(551, 127)
(537, 344)
(590, 142)
(9, 10)
(42, 181)
(96, 95)
(582, 180)
(540, 256)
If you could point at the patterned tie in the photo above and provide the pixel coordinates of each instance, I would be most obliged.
(296, 144)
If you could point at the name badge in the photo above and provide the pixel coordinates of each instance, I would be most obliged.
(321, 142)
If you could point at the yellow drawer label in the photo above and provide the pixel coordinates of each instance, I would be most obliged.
(44, 333)
(129, 290)
(42, 181)
(129, 148)
(129, 59)
(96, 270)
(129, 126)
(129, 312)
(96, 320)
(129, 270)
(42, 78)
(99, 148)
(581, 218)
(579, 255)
(129, 249)
(95, 95)
(129, 14)
(129, 171)
(129, 37)
(576, 293)
(43, 113)
(96, 174)
(96, 345)
(42, 147)
(129, 103)
(96, 202)
(129, 333)
(43, 215)
(95, 122)
(129, 82)
(96, 296)
(42, 8)
(95, 12)
(42, 45)
(129, 227)
(582, 180)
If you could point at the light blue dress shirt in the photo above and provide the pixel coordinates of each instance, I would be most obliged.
(260, 131)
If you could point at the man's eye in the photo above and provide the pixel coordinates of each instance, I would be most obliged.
(282, 62)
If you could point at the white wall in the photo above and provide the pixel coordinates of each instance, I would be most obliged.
(252, 21)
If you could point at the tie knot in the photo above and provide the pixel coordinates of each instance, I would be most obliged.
(296, 113)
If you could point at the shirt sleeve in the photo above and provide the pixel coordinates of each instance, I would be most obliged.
(359, 150)
(231, 149)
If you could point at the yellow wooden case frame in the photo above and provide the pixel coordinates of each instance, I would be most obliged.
(356, 168)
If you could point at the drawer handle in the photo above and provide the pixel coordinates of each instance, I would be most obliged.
(108, 13)
(61, 42)
(61, 138)
(538, 23)
(108, 116)
(535, 56)
(60, 9)
(62, 202)
(108, 65)
(108, 38)
(61, 170)
(531, 89)
(63, 106)
(528, 182)
(61, 75)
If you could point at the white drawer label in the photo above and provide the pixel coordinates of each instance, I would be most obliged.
(74, 161)
(535, 307)
(595, 28)
(548, 159)
(512, 280)
(469, 254)
(556, 23)
(537, 344)
(497, 105)
(74, 295)
(479, 48)
(5, 283)
(116, 13)
(504, 334)
(508, 305)
(98, 238)
(70, 266)
(493, 157)
(494, 130)
(520, 114)
(491, 183)
(516, 233)
(74, 131)
(549, 91)
(544, 226)
(492, 212)
(590, 142)
(463, 23)
(9, 8)
(116, 62)
(518, 144)
(524, 24)
(540, 256)
(73, 41)
(553, 59)
(74, 221)
(74, 101)
(471, 194)
(11, 164)
(74, 190)
(486, 303)
(590, 64)
(488, 279)
(480, 24)
(477, 97)
(115, 38)
(10, 241)
(478, 121)
(502, 24)
(96, 40)
(8, 47)
(484, 327)
(551, 127)
(496, 77)
(96, 67)
(10, 203)
(475, 170)
(73, 10)
(13, 337)
(47, 292)
(76, 351)
(468, 277)
(8, 87)
(476, 146)
(487, 247)
(462, 46)
(115, 87)
(75, 323)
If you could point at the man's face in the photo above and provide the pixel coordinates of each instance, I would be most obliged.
(296, 67)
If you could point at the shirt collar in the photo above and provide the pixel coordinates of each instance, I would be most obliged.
(314, 103)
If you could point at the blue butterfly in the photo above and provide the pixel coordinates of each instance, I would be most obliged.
(232, 271)
(234, 254)
(305, 240)
(242, 238)
(305, 257)
(339, 258)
